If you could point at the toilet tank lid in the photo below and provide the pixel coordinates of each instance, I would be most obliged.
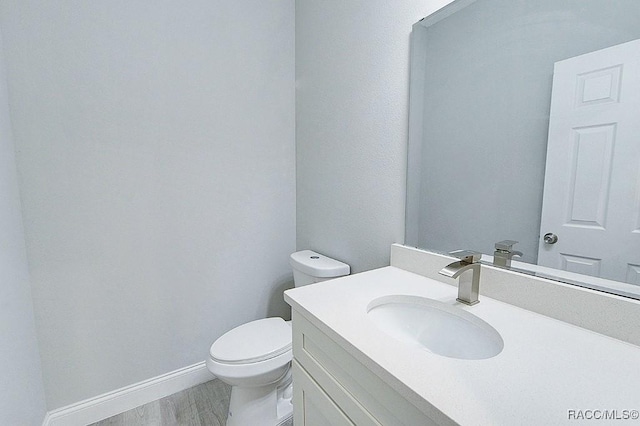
(318, 265)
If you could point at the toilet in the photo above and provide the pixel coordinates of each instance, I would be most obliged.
(255, 358)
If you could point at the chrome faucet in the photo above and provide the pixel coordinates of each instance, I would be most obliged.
(468, 269)
(503, 253)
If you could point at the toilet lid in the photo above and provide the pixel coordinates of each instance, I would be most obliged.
(252, 342)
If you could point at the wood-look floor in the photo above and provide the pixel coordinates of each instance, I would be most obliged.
(203, 405)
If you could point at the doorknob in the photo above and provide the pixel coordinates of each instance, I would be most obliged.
(550, 238)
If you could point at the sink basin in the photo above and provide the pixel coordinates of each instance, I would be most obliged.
(438, 327)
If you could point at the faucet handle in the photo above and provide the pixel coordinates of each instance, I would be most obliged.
(506, 245)
(468, 256)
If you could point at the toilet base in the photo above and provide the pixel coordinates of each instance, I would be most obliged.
(268, 405)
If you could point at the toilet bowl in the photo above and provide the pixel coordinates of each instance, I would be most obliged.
(255, 358)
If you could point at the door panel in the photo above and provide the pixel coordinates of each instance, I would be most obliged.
(592, 182)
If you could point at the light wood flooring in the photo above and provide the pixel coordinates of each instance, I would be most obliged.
(204, 405)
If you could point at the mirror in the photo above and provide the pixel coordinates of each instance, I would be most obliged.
(523, 122)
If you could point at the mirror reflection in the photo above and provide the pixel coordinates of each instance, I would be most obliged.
(523, 128)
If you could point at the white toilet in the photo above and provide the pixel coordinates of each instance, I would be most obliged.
(255, 358)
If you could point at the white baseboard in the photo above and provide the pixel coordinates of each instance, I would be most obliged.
(109, 404)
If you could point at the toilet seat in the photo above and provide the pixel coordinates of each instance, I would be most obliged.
(253, 342)
(254, 354)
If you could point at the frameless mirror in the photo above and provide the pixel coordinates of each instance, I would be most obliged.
(524, 124)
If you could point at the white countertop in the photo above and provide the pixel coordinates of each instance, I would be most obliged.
(546, 369)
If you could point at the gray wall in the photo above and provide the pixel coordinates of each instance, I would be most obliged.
(21, 392)
(155, 144)
(352, 69)
(488, 72)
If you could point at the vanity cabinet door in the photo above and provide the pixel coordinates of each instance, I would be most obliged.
(312, 407)
(352, 387)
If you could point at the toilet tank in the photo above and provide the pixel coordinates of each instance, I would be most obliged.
(310, 267)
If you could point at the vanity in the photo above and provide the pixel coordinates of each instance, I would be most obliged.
(357, 364)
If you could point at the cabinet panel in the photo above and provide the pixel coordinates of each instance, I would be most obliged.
(312, 406)
(330, 366)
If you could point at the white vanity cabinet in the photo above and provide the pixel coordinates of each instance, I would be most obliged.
(331, 387)
(347, 370)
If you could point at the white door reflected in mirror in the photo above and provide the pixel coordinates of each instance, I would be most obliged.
(592, 177)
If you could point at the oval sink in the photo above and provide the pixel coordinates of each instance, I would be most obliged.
(435, 326)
